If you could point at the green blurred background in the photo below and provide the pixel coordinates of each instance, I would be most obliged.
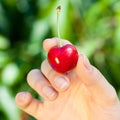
(93, 26)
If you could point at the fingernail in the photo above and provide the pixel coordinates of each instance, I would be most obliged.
(61, 83)
(87, 63)
(49, 92)
(22, 97)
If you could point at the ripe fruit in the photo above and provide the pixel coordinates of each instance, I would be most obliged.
(63, 59)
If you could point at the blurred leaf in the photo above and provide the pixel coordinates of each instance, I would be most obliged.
(4, 58)
(10, 74)
(117, 32)
(40, 29)
(90, 46)
(22, 5)
(4, 43)
(3, 20)
(10, 3)
(7, 103)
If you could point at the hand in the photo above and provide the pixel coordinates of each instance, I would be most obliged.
(81, 94)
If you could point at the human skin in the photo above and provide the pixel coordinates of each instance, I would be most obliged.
(81, 94)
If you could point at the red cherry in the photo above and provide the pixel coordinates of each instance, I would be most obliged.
(63, 59)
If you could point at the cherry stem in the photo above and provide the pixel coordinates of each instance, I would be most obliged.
(58, 24)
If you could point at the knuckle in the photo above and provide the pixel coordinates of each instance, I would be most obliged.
(96, 75)
(113, 96)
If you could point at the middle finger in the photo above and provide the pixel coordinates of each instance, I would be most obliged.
(59, 81)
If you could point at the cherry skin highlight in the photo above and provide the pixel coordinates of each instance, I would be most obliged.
(63, 59)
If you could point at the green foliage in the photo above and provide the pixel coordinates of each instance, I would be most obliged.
(92, 25)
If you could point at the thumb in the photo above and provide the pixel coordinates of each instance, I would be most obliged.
(94, 81)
